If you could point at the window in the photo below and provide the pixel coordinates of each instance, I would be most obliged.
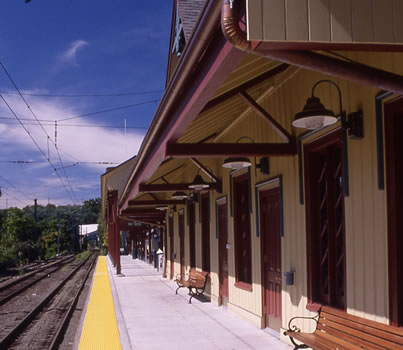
(243, 258)
(325, 221)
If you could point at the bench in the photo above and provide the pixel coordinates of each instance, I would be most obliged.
(335, 329)
(195, 281)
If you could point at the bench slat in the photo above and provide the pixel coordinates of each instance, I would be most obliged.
(359, 330)
(360, 320)
(350, 338)
(314, 341)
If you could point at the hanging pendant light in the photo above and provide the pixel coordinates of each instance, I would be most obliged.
(179, 195)
(236, 163)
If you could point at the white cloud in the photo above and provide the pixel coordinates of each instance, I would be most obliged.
(70, 54)
(75, 143)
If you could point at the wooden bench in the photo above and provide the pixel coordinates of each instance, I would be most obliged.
(195, 281)
(335, 329)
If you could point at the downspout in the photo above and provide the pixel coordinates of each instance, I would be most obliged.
(356, 72)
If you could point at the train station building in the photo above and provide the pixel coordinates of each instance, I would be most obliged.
(273, 161)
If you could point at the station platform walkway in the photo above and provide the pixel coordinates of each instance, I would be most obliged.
(144, 309)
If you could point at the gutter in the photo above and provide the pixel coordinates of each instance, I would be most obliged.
(208, 23)
(356, 72)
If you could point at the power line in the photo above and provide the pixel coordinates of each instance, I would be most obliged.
(47, 123)
(109, 110)
(13, 186)
(85, 95)
(42, 162)
(13, 197)
(43, 129)
(37, 146)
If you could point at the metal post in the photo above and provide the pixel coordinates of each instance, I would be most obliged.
(36, 220)
(58, 234)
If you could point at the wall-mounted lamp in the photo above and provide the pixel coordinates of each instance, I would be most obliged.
(315, 116)
(237, 163)
(180, 195)
(162, 208)
(198, 184)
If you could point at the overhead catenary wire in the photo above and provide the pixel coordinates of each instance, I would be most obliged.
(121, 94)
(109, 110)
(51, 123)
(43, 129)
(15, 188)
(8, 194)
(37, 146)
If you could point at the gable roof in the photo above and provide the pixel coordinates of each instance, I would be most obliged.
(189, 12)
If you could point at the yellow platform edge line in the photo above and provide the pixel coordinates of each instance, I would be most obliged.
(100, 329)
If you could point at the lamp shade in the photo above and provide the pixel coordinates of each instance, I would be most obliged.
(236, 163)
(198, 183)
(314, 115)
(162, 208)
(179, 195)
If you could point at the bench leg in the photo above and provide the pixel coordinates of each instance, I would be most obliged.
(298, 346)
(176, 292)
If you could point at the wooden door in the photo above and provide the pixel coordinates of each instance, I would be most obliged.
(182, 242)
(205, 228)
(223, 252)
(394, 175)
(192, 235)
(171, 245)
(271, 256)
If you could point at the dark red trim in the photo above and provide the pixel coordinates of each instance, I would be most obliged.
(221, 150)
(244, 286)
(394, 171)
(167, 188)
(311, 46)
(214, 67)
(134, 203)
(245, 86)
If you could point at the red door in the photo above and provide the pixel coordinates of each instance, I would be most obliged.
(394, 175)
(182, 242)
(223, 252)
(271, 256)
(192, 235)
(205, 228)
(171, 245)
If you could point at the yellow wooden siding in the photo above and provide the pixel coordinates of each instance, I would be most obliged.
(365, 207)
(345, 21)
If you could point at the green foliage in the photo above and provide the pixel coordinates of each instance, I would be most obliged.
(17, 230)
(102, 233)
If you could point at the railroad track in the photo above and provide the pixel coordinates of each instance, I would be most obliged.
(30, 268)
(44, 326)
(17, 286)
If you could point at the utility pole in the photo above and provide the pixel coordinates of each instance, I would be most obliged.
(58, 234)
(36, 220)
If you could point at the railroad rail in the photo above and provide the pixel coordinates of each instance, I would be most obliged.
(17, 286)
(63, 306)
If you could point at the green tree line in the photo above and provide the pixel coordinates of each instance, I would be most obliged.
(22, 240)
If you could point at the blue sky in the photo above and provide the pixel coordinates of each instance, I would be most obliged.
(55, 49)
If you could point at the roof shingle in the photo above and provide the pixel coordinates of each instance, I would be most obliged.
(189, 11)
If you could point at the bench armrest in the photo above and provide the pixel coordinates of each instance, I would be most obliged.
(293, 328)
(179, 277)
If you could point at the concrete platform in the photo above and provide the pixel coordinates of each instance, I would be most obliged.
(151, 316)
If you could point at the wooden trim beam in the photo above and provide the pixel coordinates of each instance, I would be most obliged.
(222, 150)
(169, 188)
(205, 170)
(243, 87)
(277, 127)
(134, 203)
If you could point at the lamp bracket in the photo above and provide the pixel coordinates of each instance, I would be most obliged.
(264, 165)
(355, 125)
